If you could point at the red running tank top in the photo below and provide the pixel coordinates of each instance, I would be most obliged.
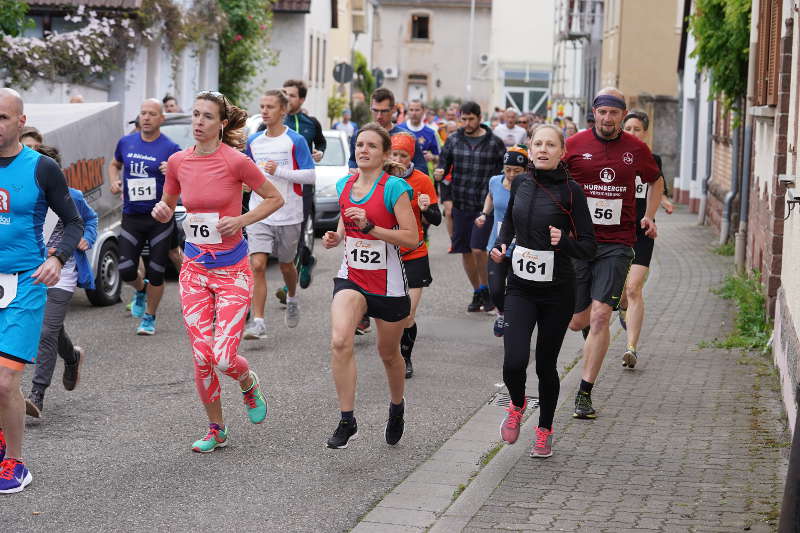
(372, 264)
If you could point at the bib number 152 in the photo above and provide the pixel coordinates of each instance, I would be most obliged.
(366, 254)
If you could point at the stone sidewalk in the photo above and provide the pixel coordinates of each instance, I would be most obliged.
(691, 440)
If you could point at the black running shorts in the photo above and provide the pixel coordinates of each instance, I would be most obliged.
(643, 248)
(418, 272)
(388, 308)
(603, 278)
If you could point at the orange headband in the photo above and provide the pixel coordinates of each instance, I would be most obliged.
(406, 143)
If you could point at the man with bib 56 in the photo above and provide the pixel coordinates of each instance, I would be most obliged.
(605, 161)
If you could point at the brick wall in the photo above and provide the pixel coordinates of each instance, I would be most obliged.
(720, 182)
(765, 225)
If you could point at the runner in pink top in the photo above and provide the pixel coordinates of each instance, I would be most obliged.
(215, 280)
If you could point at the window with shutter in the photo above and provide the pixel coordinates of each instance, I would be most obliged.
(761, 53)
(773, 63)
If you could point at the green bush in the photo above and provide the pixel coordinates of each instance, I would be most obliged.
(752, 329)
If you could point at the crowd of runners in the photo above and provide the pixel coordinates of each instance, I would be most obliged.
(555, 228)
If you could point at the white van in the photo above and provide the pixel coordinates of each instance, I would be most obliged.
(87, 135)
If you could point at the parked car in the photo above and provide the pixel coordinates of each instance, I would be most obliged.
(86, 135)
(178, 127)
(330, 169)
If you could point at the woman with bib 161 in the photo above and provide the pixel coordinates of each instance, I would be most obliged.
(376, 220)
(216, 284)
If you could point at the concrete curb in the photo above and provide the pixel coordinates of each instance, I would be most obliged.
(458, 515)
(424, 501)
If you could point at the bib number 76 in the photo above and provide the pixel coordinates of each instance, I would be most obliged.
(199, 230)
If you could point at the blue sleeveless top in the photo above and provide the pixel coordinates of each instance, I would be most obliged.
(23, 207)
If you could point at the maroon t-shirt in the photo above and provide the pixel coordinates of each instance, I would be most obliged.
(607, 171)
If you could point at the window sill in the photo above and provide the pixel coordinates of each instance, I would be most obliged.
(763, 111)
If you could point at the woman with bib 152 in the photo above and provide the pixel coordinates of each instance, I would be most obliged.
(216, 283)
(376, 220)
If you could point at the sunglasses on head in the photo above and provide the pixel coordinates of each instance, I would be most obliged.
(217, 96)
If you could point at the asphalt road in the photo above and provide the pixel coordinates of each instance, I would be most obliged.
(114, 455)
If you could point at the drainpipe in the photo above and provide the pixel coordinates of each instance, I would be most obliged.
(727, 211)
(696, 133)
(740, 254)
(701, 215)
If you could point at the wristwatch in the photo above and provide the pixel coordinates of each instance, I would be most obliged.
(369, 227)
(63, 257)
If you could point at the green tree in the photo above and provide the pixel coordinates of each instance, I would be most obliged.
(722, 31)
(365, 81)
(13, 17)
(336, 105)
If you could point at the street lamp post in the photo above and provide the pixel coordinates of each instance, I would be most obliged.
(471, 39)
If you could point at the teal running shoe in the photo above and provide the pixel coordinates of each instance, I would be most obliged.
(281, 293)
(139, 303)
(217, 437)
(255, 402)
(147, 326)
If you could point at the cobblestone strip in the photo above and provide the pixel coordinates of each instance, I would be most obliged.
(692, 440)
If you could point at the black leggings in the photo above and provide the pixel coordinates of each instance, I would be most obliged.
(550, 309)
(136, 231)
(497, 283)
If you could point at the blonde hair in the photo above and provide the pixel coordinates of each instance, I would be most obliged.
(553, 127)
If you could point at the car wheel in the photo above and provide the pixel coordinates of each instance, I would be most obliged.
(308, 233)
(108, 283)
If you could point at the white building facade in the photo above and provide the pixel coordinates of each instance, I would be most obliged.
(521, 68)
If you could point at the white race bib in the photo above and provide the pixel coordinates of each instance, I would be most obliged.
(641, 188)
(365, 254)
(141, 189)
(605, 212)
(8, 289)
(533, 265)
(201, 228)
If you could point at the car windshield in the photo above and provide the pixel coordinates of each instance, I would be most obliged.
(334, 153)
(181, 134)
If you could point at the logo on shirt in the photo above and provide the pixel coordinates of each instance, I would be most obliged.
(138, 169)
(607, 175)
(5, 201)
(587, 155)
(627, 158)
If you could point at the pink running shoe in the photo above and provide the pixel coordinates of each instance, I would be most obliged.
(543, 445)
(509, 429)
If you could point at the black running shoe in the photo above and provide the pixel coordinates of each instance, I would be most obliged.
(488, 303)
(363, 326)
(305, 272)
(583, 406)
(477, 302)
(34, 403)
(344, 432)
(72, 372)
(409, 367)
(394, 429)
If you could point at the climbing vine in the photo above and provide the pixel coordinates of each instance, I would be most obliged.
(721, 29)
(98, 42)
(242, 48)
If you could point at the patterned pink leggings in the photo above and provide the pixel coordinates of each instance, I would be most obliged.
(221, 295)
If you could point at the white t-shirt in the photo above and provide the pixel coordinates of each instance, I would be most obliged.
(510, 137)
(295, 169)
